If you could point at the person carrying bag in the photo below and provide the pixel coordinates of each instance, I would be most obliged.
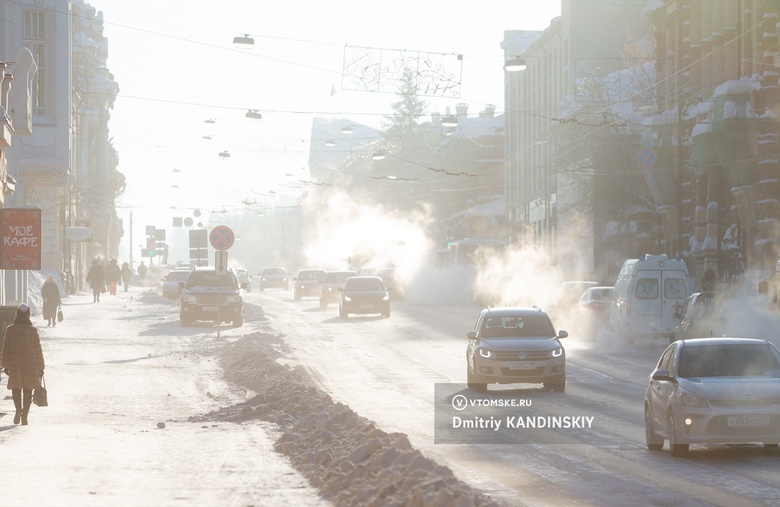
(22, 362)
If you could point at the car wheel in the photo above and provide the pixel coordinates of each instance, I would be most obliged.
(471, 381)
(343, 314)
(678, 450)
(386, 313)
(238, 322)
(296, 295)
(559, 384)
(262, 288)
(323, 303)
(185, 322)
(654, 440)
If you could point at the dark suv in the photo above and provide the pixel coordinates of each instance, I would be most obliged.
(211, 296)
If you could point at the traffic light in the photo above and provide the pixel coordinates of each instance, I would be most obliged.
(150, 247)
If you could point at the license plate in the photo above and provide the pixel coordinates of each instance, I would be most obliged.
(210, 308)
(522, 366)
(748, 421)
(366, 307)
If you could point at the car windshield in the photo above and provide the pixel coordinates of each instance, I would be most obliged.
(727, 360)
(364, 284)
(211, 279)
(273, 272)
(526, 326)
(338, 276)
(310, 275)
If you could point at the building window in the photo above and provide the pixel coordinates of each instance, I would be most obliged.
(34, 38)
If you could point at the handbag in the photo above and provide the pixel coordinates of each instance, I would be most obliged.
(40, 395)
(59, 316)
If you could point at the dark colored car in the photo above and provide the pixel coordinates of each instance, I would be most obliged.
(364, 295)
(173, 283)
(274, 278)
(211, 296)
(307, 283)
(331, 283)
(699, 319)
(515, 345)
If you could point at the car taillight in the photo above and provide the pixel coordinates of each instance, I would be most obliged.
(628, 308)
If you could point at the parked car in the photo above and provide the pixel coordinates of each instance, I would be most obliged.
(307, 283)
(714, 391)
(274, 278)
(173, 283)
(515, 345)
(699, 317)
(331, 283)
(572, 290)
(364, 294)
(211, 296)
(244, 280)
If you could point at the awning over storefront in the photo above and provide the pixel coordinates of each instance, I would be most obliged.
(734, 132)
(660, 174)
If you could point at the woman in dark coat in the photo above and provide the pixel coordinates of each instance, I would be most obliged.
(22, 361)
(96, 280)
(51, 300)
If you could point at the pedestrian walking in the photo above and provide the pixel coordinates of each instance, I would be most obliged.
(142, 272)
(95, 280)
(113, 274)
(127, 275)
(22, 362)
(51, 300)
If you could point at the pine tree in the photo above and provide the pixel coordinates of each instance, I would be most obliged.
(399, 129)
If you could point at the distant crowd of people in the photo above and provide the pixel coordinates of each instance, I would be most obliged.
(105, 277)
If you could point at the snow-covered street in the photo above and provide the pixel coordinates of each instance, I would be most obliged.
(124, 380)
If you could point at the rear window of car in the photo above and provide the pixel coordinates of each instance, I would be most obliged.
(273, 271)
(178, 275)
(728, 360)
(514, 327)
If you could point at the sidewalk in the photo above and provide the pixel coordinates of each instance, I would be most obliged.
(123, 380)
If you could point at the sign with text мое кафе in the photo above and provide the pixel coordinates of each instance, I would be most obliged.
(21, 238)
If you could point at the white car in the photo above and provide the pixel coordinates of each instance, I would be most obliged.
(714, 391)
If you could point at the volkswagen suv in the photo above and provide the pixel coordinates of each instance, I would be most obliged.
(515, 346)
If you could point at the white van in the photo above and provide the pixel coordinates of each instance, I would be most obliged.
(648, 292)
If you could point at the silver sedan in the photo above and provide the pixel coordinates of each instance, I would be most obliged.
(714, 391)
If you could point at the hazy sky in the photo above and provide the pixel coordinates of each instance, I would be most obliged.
(177, 68)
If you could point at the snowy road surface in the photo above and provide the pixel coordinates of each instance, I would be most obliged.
(115, 370)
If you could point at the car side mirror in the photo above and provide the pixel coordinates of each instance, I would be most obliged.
(663, 375)
(563, 334)
(471, 335)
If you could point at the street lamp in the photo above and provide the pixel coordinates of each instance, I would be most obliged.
(449, 122)
(346, 130)
(378, 155)
(254, 114)
(244, 42)
(516, 64)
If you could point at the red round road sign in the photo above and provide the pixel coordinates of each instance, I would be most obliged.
(222, 237)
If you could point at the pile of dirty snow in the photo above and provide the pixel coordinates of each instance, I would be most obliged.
(349, 459)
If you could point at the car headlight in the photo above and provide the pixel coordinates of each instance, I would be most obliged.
(386, 297)
(188, 298)
(487, 354)
(557, 352)
(691, 400)
(347, 299)
(234, 298)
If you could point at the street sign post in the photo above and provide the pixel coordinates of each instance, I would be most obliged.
(221, 262)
